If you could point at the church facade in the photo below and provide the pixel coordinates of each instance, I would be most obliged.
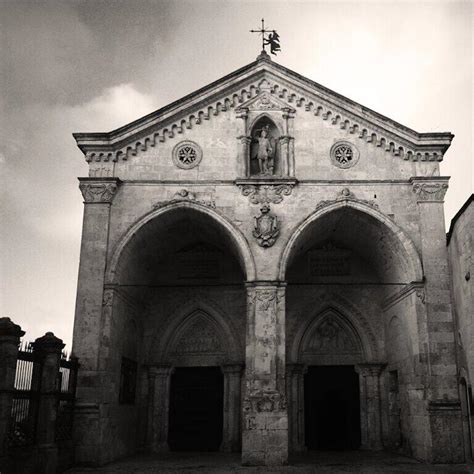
(264, 269)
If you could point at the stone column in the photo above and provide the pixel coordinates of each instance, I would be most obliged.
(289, 115)
(295, 391)
(284, 142)
(439, 361)
(159, 382)
(245, 140)
(265, 426)
(10, 334)
(47, 354)
(231, 429)
(370, 416)
(98, 194)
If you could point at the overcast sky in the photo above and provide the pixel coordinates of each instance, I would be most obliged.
(73, 66)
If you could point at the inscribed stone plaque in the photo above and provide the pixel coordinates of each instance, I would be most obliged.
(329, 261)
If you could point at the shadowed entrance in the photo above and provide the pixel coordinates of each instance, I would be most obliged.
(196, 403)
(332, 408)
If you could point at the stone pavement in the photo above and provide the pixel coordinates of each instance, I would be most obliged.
(312, 462)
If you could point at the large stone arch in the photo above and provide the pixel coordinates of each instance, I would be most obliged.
(414, 268)
(236, 238)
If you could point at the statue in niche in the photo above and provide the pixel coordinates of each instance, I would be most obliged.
(264, 150)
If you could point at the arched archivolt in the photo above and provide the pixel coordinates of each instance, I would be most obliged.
(238, 241)
(196, 329)
(414, 271)
(267, 116)
(348, 317)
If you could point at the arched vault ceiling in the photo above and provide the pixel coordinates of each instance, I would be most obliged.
(367, 237)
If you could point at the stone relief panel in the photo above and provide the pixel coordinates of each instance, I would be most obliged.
(199, 337)
(331, 336)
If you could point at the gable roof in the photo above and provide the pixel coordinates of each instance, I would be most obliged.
(232, 90)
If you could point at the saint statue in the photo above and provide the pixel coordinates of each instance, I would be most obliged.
(265, 152)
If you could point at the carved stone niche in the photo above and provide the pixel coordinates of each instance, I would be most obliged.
(267, 144)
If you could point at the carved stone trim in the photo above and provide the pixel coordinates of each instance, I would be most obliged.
(430, 191)
(345, 195)
(266, 192)
(206, 199)
(373, 369)
(406, 291)
(98, 191)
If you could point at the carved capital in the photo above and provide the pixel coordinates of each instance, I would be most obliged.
(156, 371)
(232, 369)
(373, 369)
(430, 189)
(98, 190)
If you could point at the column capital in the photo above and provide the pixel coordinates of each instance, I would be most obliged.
(296, 369)
(430, 188)
(98, 190)
(370, 368)
(233, 369)
(155, 371)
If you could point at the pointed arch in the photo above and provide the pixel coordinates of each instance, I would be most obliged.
(235, 237)
(414, 270)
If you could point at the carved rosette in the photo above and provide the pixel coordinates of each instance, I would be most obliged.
(430, 190)
(98, 191)
(266, 194)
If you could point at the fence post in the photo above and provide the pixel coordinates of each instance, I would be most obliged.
(10, 334)
(47, 353)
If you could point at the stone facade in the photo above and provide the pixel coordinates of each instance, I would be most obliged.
(461, 251)
(267, 226)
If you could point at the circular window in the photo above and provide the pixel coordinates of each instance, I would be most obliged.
(187, 155)
(344, 154)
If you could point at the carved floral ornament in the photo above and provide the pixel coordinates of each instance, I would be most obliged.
(345, 195)
(344, 154)
(269, 92)
(187, 155)
(266, 194)
(98, 192)
(430, 191)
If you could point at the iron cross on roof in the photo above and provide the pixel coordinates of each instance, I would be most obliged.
(273, 39)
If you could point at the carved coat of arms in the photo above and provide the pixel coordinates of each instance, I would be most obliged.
(267, 227)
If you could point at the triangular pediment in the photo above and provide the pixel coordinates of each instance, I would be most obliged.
(263, 85)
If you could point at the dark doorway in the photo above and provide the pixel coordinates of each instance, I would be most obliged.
(196, 406)
(332, 411)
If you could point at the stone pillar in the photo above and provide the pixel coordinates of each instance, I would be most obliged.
(231, 429)
(295, 394)
(47, 354)
(289, 115)
(284, 142)
(245, 140)
(10, 334)
(98, 194)
(159, 382)
(265, 424)
(370, 416)
(439, 360)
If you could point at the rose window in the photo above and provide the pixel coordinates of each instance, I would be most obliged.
(187, 155)
(344, 155)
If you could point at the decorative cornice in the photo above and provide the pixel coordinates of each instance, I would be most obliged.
(262, 77)
(98, 190)
(345, 195)
(205, 199)
(266, 191)
(430, 189)
(414, 287)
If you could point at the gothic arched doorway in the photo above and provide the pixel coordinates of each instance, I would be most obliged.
(181, 270)
(342, 264)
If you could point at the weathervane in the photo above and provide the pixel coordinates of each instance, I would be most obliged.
(273, 39)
